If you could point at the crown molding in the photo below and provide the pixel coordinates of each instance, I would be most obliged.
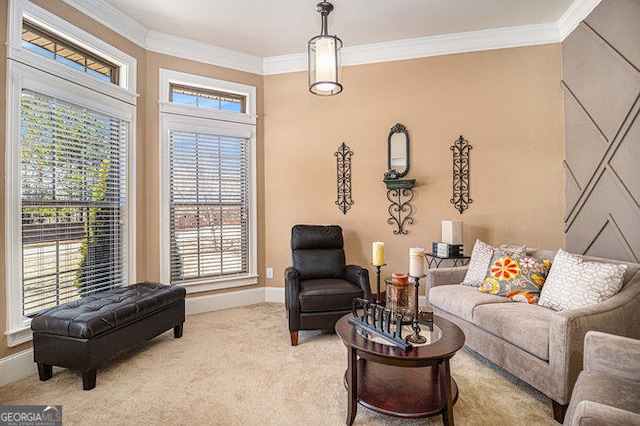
(426, 46)
(576, 13)
(203, 52)
(472, 41)
(113, 19)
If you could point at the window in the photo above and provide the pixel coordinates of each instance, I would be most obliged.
(40, 41)
(69, 218)
(73, 168)
(207, 98)
(208, 207)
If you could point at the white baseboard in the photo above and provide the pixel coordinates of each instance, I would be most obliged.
(274, 294)
(17, 366)
(219, 301)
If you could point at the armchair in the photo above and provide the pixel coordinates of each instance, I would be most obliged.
(320, 287)
(608, 389)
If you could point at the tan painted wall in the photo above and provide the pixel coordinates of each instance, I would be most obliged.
(507, 103)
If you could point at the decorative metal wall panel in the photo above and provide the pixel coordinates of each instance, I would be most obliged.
(461, 174)
(343, 164)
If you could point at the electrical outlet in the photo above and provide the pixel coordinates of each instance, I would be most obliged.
(269, 272)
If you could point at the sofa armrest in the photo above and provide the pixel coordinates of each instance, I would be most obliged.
(360, 277)
(443, 276)
(612, 355)
(619, 315)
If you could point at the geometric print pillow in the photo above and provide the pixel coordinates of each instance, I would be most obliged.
(574, 283)
(481, 258)
(518, 279)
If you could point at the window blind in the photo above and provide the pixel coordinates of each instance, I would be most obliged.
(209, 201)
(73, 196)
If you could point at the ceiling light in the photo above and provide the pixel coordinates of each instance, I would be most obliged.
(324, 58)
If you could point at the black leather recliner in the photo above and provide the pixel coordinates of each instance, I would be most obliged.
(320, 287)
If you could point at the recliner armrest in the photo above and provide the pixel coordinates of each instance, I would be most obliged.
(612, 355)
(291, 294)
(360, 277)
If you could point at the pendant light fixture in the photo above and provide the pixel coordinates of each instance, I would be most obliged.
(324, 58)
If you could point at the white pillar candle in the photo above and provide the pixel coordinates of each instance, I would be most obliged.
(378, 254)
(416, 261)
(452, 232)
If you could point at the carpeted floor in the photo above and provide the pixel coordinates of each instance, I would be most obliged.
(236, 367)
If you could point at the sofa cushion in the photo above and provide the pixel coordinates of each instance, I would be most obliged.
(574, 283)
(516, 278)
(461, 300)
(481, 258)
(523, 325)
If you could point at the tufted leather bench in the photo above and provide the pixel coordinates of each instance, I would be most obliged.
(85, 333)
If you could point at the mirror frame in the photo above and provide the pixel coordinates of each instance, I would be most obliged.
(398, 128)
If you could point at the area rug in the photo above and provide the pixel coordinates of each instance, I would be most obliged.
(237, 367)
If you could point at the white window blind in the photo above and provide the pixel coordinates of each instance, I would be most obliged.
(209, 205)
(73, 196)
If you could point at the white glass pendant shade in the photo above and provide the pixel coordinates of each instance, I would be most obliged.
(324, 65)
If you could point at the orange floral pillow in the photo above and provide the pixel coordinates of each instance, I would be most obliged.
(518, 278)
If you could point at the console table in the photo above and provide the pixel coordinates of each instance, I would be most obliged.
(414, 383)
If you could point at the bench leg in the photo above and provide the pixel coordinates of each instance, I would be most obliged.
(89, 379)
(177, 331)
(45, 371)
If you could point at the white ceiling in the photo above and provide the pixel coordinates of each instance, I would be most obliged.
(268, 28)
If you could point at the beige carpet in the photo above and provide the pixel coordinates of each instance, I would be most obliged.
(236, 367)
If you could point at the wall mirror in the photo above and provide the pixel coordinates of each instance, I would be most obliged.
(398, 150)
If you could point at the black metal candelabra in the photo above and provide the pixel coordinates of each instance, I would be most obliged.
(416, 337)
(377, 300)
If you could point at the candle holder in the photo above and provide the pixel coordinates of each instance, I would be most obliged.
(400, 298)
(416, 337)
(377, 299)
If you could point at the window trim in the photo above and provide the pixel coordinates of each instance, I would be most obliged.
(194, 119)
(168, 77)
(20, 10)
(19, 77)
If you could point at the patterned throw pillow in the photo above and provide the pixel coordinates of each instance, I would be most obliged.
(481, 258)
(574, 283)
(517, 278)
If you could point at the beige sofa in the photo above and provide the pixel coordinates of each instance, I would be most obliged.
(608, 389)
(538, 345)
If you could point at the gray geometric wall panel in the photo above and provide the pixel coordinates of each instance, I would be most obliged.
(601, 89)
(625, 34)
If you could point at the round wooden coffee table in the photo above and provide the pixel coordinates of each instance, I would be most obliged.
(414, 383)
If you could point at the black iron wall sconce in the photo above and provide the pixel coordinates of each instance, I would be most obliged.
(343, 165)
(461, 174)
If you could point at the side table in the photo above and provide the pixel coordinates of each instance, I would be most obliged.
(433, 259)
